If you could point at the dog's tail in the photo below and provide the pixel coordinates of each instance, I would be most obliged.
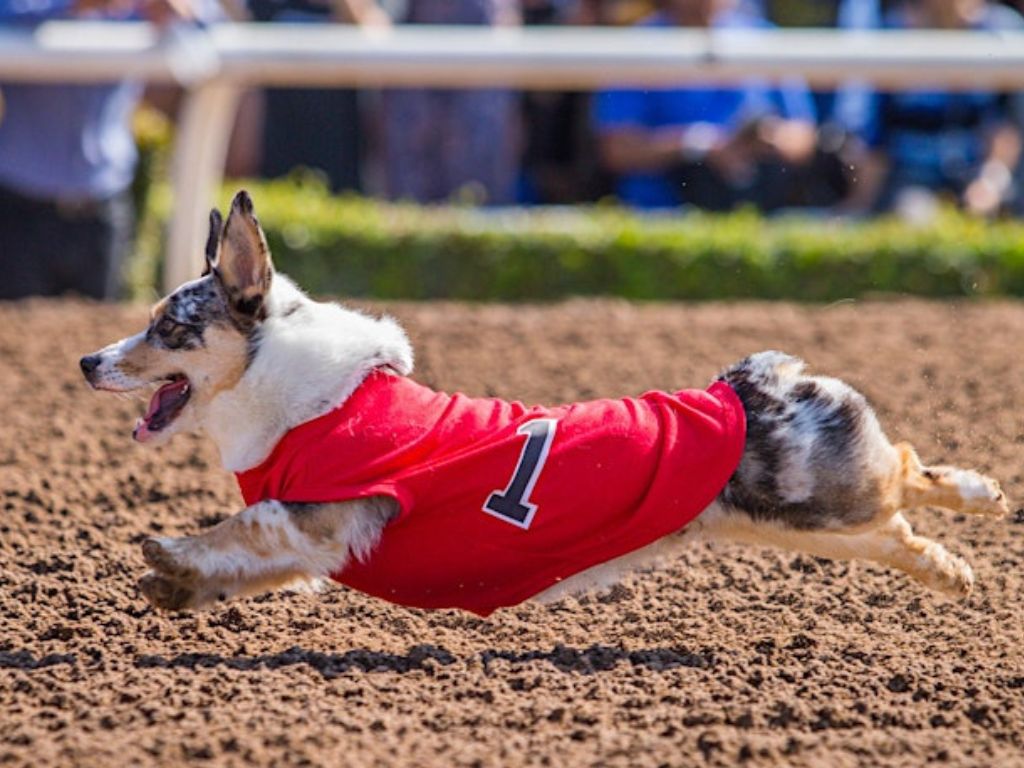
(767, 367)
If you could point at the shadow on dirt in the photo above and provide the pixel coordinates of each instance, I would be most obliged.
(600, 658)
(420, 657)
(25, 660)
(426, 658)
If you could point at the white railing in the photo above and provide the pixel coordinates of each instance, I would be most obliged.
(215, 64)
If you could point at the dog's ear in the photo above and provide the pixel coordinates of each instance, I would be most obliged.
(243, 263)
(212, 241)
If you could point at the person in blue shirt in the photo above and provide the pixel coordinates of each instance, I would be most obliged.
(67, 159)
(710, 146)
(934, 143)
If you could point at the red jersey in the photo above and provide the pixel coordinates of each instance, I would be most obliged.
(499, 501)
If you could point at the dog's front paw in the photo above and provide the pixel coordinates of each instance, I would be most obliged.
(165, 593)
(171, 585)
(166, 556)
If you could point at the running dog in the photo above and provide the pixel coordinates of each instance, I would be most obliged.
(353, 471)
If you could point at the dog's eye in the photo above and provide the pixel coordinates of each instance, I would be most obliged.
(171, 334)
(166, 327)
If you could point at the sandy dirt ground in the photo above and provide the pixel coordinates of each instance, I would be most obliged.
(728, 656)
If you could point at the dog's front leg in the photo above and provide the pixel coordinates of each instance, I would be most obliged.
(265, 546)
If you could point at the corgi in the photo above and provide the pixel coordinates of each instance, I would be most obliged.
(353, 471)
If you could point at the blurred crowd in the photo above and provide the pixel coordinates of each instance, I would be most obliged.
(775, 146)
(67, 157)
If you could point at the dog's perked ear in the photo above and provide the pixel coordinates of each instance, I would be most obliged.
(212, 241)
(242, 264)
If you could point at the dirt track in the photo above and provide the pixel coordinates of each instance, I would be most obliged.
(732, 655)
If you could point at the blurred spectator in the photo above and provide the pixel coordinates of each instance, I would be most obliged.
(849, 107)
(966, 145)
(846, 115)
(559, 161)
(311, 127)
(440, 144)
(67, 158)
(818, 13)
(713, 146)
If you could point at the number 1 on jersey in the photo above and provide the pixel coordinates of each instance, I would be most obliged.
(513, 504)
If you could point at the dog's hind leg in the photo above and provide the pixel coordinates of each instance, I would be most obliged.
(958, 490)
(922, 558)
(263, 547)
(818, 475)
(893, 543)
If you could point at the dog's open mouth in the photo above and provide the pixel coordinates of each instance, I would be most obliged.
(164, 407)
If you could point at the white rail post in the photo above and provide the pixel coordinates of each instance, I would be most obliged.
(200, 149)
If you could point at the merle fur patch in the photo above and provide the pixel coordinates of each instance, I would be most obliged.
(805, 439)
(185, 315)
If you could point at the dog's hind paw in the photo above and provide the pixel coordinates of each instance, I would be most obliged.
(955, 578)
(982, 495)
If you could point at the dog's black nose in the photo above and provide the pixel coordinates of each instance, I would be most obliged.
(89, 364)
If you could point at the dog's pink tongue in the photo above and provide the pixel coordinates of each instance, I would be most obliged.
(167, 394)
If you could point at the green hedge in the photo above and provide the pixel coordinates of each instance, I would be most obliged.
(356, 247)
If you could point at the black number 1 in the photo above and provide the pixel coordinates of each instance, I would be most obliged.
(513, 504)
